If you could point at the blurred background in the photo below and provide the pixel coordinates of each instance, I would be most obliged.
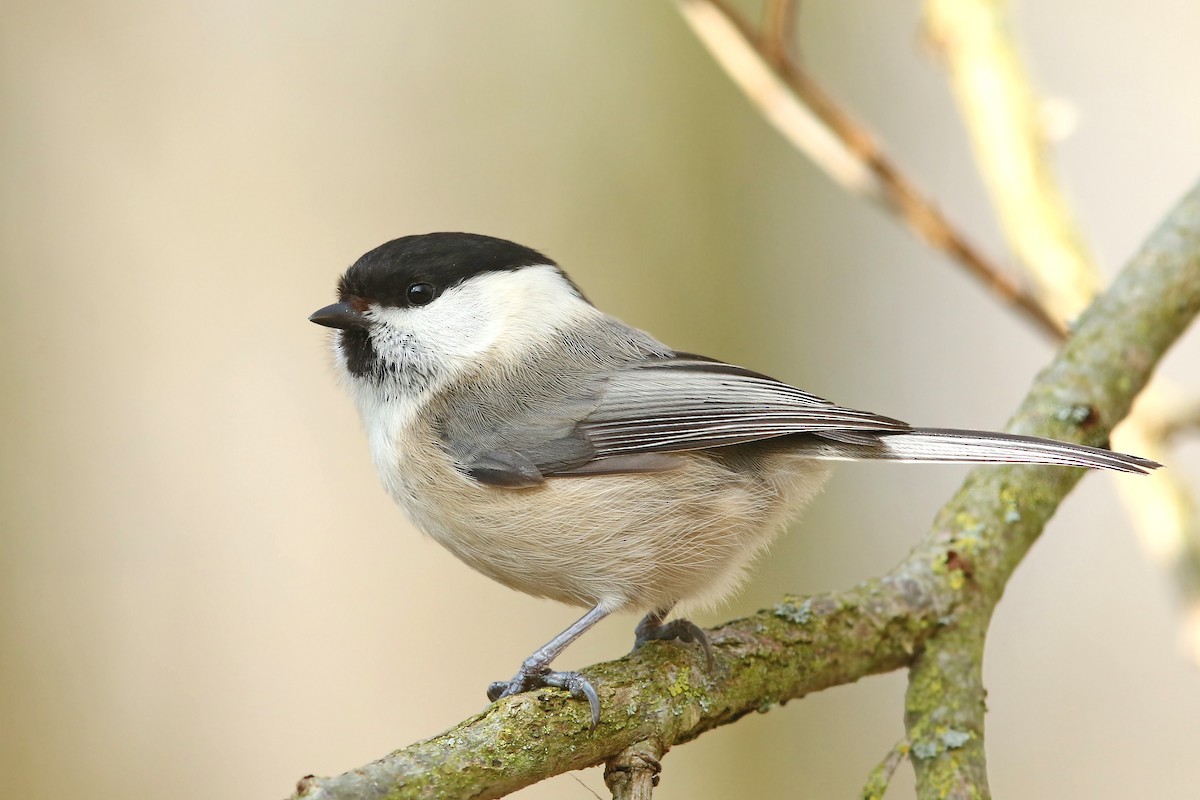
(204, 590)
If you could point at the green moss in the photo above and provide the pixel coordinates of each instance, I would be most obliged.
(967, 524)
(681, 684)
(955, 739)
(926, 749)
(1009, 499)
(1074, 414)
(799, 614)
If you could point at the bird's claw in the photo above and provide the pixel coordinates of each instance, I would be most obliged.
(684, 630)
(536, 677)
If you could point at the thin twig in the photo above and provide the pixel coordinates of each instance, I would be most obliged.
(818, 126)
(1005, 121)
(881, 776)
(587, 788)
(779, 29)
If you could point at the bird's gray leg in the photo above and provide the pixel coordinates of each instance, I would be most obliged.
(535, 671)
(652, 627)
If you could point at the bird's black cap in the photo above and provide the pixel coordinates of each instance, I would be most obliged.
(443, 260)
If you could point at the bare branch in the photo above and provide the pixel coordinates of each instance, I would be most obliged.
(1005, 121)
(820, 128)
(779, 28)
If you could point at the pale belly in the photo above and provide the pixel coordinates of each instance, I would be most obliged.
(634, 542)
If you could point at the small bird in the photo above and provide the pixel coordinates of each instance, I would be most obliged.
(567, 455)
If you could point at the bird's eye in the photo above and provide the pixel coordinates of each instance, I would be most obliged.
(420, 294)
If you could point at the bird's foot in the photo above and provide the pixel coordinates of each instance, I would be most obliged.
(534, 675)
(652, 627)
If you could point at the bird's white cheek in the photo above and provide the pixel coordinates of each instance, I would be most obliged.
(442, 337)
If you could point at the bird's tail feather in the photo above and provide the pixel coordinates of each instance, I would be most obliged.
(958, 446)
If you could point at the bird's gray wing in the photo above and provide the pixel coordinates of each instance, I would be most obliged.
(638, 416)
(641, 416)
(691, 403)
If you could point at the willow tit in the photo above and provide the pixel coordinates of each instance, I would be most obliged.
(568, 455)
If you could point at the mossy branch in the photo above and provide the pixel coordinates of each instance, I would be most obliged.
(930, 612)
(664, 693)
(1005, 118)
(986, 529)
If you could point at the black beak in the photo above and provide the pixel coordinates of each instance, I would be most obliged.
(340, 315)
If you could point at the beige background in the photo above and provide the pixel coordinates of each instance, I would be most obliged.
(203, 590)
